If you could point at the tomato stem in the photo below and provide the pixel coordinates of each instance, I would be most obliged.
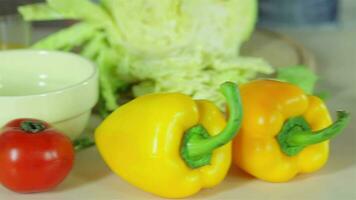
(32, 126)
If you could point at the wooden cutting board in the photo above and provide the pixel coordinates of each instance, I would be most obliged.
(278, 49)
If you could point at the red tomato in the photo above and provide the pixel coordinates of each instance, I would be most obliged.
(33, 156)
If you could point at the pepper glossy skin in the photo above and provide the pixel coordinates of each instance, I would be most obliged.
(141, 142)
(267, 105)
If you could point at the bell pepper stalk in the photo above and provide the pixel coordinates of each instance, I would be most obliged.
(198, 145)
(296, 133)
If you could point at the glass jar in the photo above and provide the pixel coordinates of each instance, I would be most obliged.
(14, 31)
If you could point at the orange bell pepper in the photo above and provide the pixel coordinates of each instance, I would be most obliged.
(284, 131)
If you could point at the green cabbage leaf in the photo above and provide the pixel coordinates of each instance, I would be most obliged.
(188, 46)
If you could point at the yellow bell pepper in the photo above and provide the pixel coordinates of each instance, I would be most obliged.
(284, 131)
(169, 144)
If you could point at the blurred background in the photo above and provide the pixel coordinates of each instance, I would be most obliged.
(281, 15)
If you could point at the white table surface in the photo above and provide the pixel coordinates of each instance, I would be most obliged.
(335, 52)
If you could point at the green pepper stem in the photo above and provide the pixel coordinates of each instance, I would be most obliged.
(32, 126)
(304, 138)
(198, 145)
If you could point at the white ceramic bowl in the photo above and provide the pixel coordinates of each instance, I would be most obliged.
(60, 88)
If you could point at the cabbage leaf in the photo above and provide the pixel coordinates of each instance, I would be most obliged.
(188, 46)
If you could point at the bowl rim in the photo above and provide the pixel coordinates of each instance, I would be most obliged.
(60, 90)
